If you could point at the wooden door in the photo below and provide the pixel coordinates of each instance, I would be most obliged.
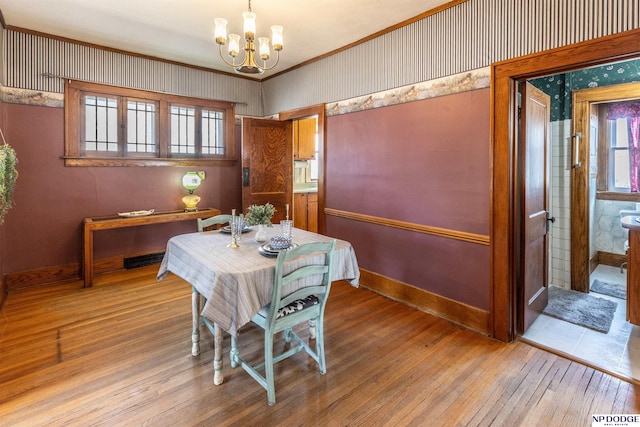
(535, 168)
(267, 162)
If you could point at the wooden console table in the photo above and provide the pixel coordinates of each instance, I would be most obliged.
(115, 221)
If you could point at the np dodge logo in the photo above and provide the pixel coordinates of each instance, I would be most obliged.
(617, 420)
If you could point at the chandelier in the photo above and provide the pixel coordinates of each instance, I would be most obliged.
(248, 64)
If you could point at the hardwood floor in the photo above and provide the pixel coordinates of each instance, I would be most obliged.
(119, 354)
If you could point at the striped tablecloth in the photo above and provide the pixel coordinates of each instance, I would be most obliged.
(239, 282)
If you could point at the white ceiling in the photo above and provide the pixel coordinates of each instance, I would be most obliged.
(182, 30)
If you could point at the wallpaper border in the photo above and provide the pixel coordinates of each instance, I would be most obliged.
(40, 98)
(457, 83)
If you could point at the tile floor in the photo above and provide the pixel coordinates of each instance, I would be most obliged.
(617, 351)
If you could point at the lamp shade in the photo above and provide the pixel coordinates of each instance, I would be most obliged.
(263, 43)
(220, 32)
(234, 45)
(249, 25)
(276, 37)
(191, 181)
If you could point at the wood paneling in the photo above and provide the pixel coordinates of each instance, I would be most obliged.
(608, 258)
(633, 278)
(119, 354)
(51, 276)
(403, 225)
(454, 311)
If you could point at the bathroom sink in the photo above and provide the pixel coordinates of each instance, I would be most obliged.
(628, 212)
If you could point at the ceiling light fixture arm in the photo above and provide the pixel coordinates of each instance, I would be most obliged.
(222, 56)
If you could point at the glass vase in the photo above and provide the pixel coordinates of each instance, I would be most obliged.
(261, 235)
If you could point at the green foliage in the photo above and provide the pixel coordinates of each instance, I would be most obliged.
(8, 177)
(260, 214)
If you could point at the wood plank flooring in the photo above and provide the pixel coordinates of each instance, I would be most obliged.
(119, 354)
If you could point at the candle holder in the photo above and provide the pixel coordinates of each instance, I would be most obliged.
(236, 223)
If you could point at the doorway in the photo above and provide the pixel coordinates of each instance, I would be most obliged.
(594, 256)
(504, 220)
(309, 169)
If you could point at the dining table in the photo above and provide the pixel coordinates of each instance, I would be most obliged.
(236, 281)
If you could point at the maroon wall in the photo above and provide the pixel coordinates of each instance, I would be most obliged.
(44, 227)
(424, 162)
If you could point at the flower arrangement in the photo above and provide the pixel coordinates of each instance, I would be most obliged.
(8, 177)
(260, 214)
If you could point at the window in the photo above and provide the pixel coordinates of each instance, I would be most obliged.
(111, 126)
(617, 172)
(618, 147)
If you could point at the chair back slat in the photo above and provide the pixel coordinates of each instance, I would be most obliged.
(307, 266)
(204, 224)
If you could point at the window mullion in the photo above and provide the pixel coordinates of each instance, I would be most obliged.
(198, 131)
(164, 121)
(122, 126)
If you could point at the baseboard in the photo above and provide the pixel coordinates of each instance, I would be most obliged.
(437, 305)
(608, 258)
(50, 275)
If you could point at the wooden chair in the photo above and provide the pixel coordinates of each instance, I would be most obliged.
(208, 223)
(298, 267)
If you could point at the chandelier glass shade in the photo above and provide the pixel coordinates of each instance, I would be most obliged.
(249, 63)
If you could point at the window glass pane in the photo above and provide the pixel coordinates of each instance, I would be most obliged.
(212, 132)
(621, 169)
(101, 123)
(183, 140)
(90, 121)
(112, 128)
(621, 137)
(141, 119)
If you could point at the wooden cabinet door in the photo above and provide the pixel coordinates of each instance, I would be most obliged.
(300, 210)
(312, 212)
(306, 138)
(633, 278)
(296, 139)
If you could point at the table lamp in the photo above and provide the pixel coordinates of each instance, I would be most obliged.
(191, 181)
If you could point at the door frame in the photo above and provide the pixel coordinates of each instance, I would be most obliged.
(319, 112)
(503, 221)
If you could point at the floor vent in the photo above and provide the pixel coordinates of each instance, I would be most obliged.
(143, 260)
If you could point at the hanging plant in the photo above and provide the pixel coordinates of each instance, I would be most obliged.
(8, 177)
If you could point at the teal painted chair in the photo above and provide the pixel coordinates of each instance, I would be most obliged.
(286, 311)
(209, 223)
